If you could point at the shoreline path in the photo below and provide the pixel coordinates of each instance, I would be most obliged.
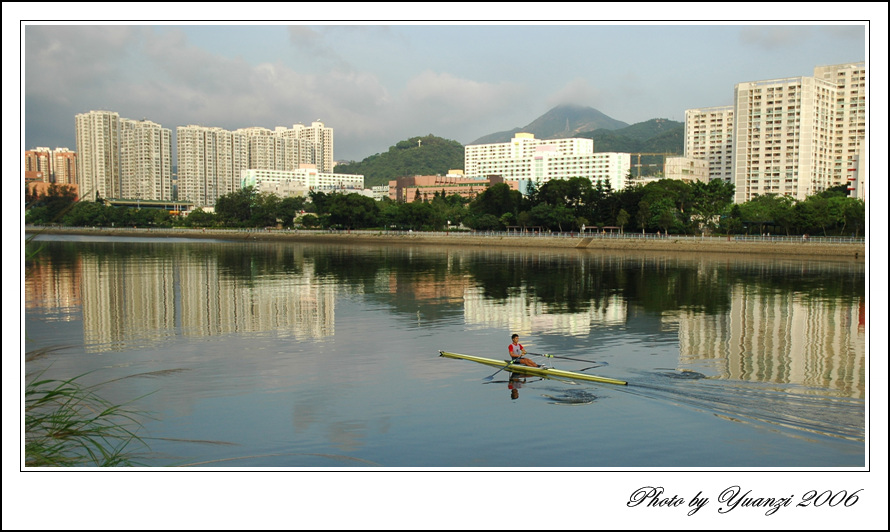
(827, 248)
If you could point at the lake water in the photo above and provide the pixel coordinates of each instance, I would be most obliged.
(291, 355)
(312, 355)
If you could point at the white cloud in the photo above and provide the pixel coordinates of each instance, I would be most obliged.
(577, 92)
(451, 100)
(64, 59)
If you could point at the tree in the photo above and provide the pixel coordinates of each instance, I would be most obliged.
(622, 219)
(483, 222)
(669, 200)
(854, 215)
(596, 202)
(553, 217)
(825, 211)
(666, 218)
(288, 208)
(709, 200)
(644, 215)
(447, 209)
(524, 219)
(234, 209)
(318, 202)
(759, 211)
(87, 214)
(264, 210)
(629, 199)
(783, 213)
(732, 222)
(200, 218)
(580, 222)
(497, 200)
(309, 220)
(50, 206)
(570, 192)
(354, 211)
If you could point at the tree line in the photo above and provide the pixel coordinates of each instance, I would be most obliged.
(666, 206)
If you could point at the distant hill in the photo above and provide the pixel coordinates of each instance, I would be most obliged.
(563, 121)
(435, 155)
(658, 135)
(429, 155)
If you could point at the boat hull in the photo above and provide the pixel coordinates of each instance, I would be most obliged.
(528, 370)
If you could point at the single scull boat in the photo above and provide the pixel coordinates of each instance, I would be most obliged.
(543, 372)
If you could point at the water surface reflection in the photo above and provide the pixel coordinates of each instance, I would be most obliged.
(759, 320)
(778, 342)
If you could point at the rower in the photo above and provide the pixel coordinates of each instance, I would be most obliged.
(517, 353)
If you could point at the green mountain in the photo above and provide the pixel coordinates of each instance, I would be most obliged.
(429, 155)
(563, 121)
(658, 135)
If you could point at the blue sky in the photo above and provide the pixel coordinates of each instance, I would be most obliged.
(377, 84)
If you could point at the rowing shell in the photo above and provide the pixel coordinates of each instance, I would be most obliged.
(543, 372)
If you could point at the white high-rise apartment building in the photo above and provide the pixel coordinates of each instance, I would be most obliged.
(709, 137)
(145, 160)
(210, 160)
(783, 137)
(98, 161)
(315, 145)
(209, 163)
(528, 158)
(849, 123)
(265, 149)
(792, 136)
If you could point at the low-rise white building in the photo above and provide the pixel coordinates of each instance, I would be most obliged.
(526, 158)
(686, 169)
(300, 181)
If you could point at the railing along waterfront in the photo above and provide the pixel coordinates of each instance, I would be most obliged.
(142, 231)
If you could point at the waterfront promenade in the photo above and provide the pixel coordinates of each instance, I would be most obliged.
(824, 247)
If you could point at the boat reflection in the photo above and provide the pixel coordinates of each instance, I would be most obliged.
(568, 394)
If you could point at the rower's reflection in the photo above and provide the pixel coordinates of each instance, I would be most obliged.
(514, 384)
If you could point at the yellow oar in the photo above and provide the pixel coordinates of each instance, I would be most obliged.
(500, 370)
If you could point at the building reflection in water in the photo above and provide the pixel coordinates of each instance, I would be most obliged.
(762, 335)
(779, 338)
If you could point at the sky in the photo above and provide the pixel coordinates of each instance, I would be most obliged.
(376, 84)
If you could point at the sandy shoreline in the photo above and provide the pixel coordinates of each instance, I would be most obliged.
(793, 247)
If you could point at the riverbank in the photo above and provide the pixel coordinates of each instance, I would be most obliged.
(814, 247)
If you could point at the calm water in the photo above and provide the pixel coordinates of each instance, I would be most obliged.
(323, 356)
